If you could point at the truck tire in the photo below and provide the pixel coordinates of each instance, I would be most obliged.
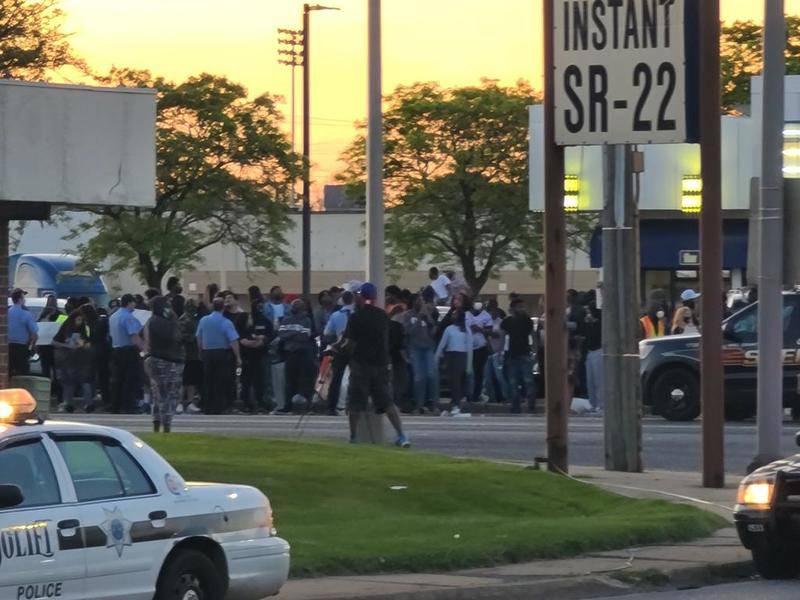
(676, 394)
(773, 562)
(190, 575)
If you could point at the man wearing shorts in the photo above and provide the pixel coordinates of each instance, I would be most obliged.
(368, 335)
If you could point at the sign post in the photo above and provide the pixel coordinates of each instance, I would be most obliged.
(629, 73)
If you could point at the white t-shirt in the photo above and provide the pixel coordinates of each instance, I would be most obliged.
(440, 287)
(483, 320)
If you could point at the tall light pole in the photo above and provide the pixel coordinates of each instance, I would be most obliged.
(770, 278)
(375, 211)
(305, 61)
(291, 54)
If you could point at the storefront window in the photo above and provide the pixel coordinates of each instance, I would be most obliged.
(791, 151)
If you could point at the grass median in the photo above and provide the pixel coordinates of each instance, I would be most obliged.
(363, 509)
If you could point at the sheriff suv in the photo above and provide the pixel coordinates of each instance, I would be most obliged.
(90, 512)
(766, 516)
(670, 366)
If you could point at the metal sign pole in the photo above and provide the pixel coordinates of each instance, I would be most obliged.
(712, 390)
(555, 266)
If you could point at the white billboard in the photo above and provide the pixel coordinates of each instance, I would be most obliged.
(67, 144)
(625, 72)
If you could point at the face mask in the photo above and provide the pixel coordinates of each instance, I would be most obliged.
(478, 307)
(660, 314)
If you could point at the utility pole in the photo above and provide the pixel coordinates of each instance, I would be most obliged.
(622, 383)
(770, 279)
(291, 54)
(375, 209)
(712, 390)
(555, 252)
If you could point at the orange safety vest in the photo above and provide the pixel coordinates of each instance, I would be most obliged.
(650, 329)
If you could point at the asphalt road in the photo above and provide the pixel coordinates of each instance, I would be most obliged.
(752, 590)
(673, 446)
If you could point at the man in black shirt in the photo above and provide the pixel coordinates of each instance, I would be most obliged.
(367, 335)
(519, 360)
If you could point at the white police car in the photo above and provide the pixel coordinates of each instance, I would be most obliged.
(90, 512)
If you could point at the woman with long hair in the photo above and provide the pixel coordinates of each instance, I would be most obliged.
(456, 348)
(74, 361)
(164, 363)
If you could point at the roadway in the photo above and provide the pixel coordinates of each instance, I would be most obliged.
(752, 590)
(672, 446)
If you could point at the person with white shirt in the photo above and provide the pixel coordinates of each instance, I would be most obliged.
(480, 325)
(440, 285)
(456, 347)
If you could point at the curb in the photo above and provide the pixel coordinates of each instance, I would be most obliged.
(582, 587)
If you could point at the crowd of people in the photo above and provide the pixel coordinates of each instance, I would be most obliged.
(220, 353)
(278, 355)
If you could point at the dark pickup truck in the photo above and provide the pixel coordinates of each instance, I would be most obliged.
(670, 366)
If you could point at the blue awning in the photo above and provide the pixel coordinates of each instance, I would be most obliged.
(662, 241)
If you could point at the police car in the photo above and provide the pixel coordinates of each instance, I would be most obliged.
(767, 517)
(89, 512)
(670, 366)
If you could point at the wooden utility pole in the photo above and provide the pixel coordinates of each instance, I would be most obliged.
(555, 253)
(712, 390)
(621, 384)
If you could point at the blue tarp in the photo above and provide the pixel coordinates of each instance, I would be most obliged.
(662, 240)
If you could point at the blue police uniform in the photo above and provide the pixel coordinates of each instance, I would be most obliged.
(21, 329)
(215, 335)
(126, 366)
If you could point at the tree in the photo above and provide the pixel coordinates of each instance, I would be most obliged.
(32, 43)
(456, 179)
(224, 171)
(742, 57)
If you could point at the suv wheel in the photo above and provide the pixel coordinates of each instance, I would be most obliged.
(775, 562)
(190, 575)
(676, 394)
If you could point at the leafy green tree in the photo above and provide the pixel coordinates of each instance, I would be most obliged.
(456, 179)
(32, 43)
(224, 170)
(741, 58)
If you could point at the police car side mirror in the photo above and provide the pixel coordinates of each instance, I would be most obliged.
(10, 496)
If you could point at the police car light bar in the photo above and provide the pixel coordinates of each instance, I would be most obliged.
(17, 406)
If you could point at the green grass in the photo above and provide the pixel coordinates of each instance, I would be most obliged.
(334, 504)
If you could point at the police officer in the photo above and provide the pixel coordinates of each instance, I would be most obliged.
(22, 335)
(127, 343)
(218, 343)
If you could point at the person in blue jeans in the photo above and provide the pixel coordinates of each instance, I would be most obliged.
(420, 327)
(519, 356)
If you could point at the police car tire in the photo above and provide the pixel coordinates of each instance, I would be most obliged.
(662, 388)
(190, 570)
(776, 562)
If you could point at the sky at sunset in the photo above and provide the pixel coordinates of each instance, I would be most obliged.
(453, 42)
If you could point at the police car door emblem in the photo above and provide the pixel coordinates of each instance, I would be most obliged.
(117, 529)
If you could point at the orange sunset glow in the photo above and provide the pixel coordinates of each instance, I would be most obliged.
(454, 42)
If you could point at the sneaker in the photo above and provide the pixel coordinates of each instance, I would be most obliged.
(179, 409)
(484, 399)
(444, 413)
(193, 409)
(90, 408)
(281, 411)
(403, 441)
(455, 411)
(463, 415)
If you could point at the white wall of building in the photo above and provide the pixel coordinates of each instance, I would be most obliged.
(667, 164)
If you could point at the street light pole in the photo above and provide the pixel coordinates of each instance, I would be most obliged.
(375, 210)
(770, 293)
